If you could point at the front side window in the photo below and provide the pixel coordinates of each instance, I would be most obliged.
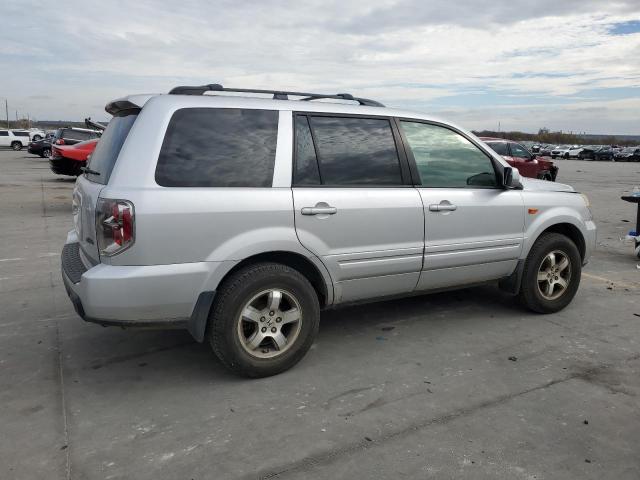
(519, 151)
(214, 147)
(354, 151)
(446, 159)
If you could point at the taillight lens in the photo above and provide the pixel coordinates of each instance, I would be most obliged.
(115, 226)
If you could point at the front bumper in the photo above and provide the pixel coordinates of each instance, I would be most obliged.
(148, 296)
(590, 239)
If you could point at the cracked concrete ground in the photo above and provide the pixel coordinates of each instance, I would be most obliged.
(414, 388)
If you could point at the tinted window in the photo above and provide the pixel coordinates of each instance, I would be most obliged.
(519, 151)
(104, 156)
(356, 151)
(501, 148)
(21, 134)
(77, 135)
(208, 147)
(4, 133)
(446, 159)
(306, 169)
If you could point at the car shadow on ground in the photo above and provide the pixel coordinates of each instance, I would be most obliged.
(175, 354)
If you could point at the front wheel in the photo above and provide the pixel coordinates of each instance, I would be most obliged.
(36, 138)
(551, 274)
(16, 146)
(264, 320)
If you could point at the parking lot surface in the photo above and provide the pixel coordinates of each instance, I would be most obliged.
(462, 384)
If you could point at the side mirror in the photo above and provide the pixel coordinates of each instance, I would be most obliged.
(511, 178)
(533, 156)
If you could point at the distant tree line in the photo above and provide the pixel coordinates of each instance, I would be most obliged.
(544, 135)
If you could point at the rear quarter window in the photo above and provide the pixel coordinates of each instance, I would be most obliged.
(209, 147)
(108, 148)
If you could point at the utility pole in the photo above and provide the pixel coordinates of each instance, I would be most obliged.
(6, 110)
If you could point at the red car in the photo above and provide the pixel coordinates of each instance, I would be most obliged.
(527, 163)
(69, 159)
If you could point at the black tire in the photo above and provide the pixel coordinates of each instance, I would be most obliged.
(45, 152)
(16, 146)
(530, 294)
(36, 138)
(231, 298)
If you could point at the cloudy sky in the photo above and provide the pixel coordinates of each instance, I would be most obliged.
(564, 64)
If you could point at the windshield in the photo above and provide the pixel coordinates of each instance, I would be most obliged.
(106, 153)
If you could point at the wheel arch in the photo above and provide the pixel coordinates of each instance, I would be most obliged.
(311, 271)
(572, 232)
(314, 271)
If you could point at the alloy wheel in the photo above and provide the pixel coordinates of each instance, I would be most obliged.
(554, 275)
(269, 323)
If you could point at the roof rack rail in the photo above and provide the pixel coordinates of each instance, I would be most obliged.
(277, 94)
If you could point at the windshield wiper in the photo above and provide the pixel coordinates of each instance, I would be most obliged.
(88, 170)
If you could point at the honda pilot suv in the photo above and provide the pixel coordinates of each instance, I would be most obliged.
(240, 218)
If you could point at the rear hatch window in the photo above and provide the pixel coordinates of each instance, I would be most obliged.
(106, 153)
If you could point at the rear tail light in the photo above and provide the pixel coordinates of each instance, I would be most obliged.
(115, 226)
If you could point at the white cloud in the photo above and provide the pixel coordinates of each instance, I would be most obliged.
(425, 55)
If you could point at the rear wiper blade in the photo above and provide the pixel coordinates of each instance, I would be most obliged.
(88, 170)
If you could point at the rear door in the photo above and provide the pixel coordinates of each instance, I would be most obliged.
(354, 205)
(473, 227)
(4, 138)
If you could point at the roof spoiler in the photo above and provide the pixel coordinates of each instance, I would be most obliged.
(277, 94)
(118, 106)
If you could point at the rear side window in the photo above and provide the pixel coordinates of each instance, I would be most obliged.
(501, 148)
(209, 147)
(4, 133)
(355, 151)
(21, 134)
(108, 148)
(306, 169)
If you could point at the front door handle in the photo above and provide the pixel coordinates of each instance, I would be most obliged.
(320, 209)
(443, 206)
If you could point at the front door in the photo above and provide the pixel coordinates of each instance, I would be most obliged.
(354, 205)
(473, 227)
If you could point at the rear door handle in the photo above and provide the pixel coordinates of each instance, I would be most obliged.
(442, 207)
(319, 210)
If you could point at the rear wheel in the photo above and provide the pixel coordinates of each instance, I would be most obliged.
(46, 152)
(264, 320)
(16, 146)
(551, 274)
(36, 138)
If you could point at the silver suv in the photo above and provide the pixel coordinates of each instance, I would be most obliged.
(240, 218)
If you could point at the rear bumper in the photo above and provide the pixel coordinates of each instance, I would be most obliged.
(143, 296)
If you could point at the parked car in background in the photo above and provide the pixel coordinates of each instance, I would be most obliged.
(36, 134)
(41, 147)
(221, 228)
(561, 151)
(16, 139)
(535, 148)
(629, 154)
(73, 135)
(574, 152)
(604, 153)
(69, 159)
(545, 150)
(527, 163)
